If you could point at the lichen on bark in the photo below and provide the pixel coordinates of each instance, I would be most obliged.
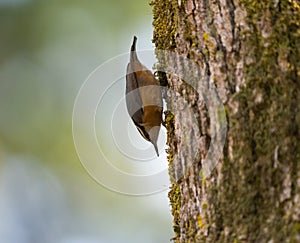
(250, 50)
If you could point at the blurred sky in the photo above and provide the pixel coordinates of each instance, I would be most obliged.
(47, 50)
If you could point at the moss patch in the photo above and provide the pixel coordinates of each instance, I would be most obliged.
(164, 19)
(174, 196)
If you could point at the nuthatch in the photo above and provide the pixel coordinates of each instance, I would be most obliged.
(143, 98)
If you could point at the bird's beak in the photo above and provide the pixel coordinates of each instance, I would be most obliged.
(156, 149)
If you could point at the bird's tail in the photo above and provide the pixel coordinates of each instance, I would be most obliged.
(133, 55)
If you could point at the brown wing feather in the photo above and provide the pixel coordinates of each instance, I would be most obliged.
(133, 98)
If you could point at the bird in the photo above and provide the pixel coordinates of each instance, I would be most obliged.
(143, 98)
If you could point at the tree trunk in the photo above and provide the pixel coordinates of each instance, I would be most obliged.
(249, 51)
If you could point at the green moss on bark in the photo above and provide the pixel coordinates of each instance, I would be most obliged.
(174, 196)
(265, 130)
(258, 197)
(164, 19)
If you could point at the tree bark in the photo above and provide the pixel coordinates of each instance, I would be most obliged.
(249, 51)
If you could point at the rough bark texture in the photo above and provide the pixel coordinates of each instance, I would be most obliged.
(250, 51)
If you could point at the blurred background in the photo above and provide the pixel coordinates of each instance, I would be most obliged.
(47, 50)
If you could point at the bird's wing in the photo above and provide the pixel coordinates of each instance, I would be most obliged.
(133, 97)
